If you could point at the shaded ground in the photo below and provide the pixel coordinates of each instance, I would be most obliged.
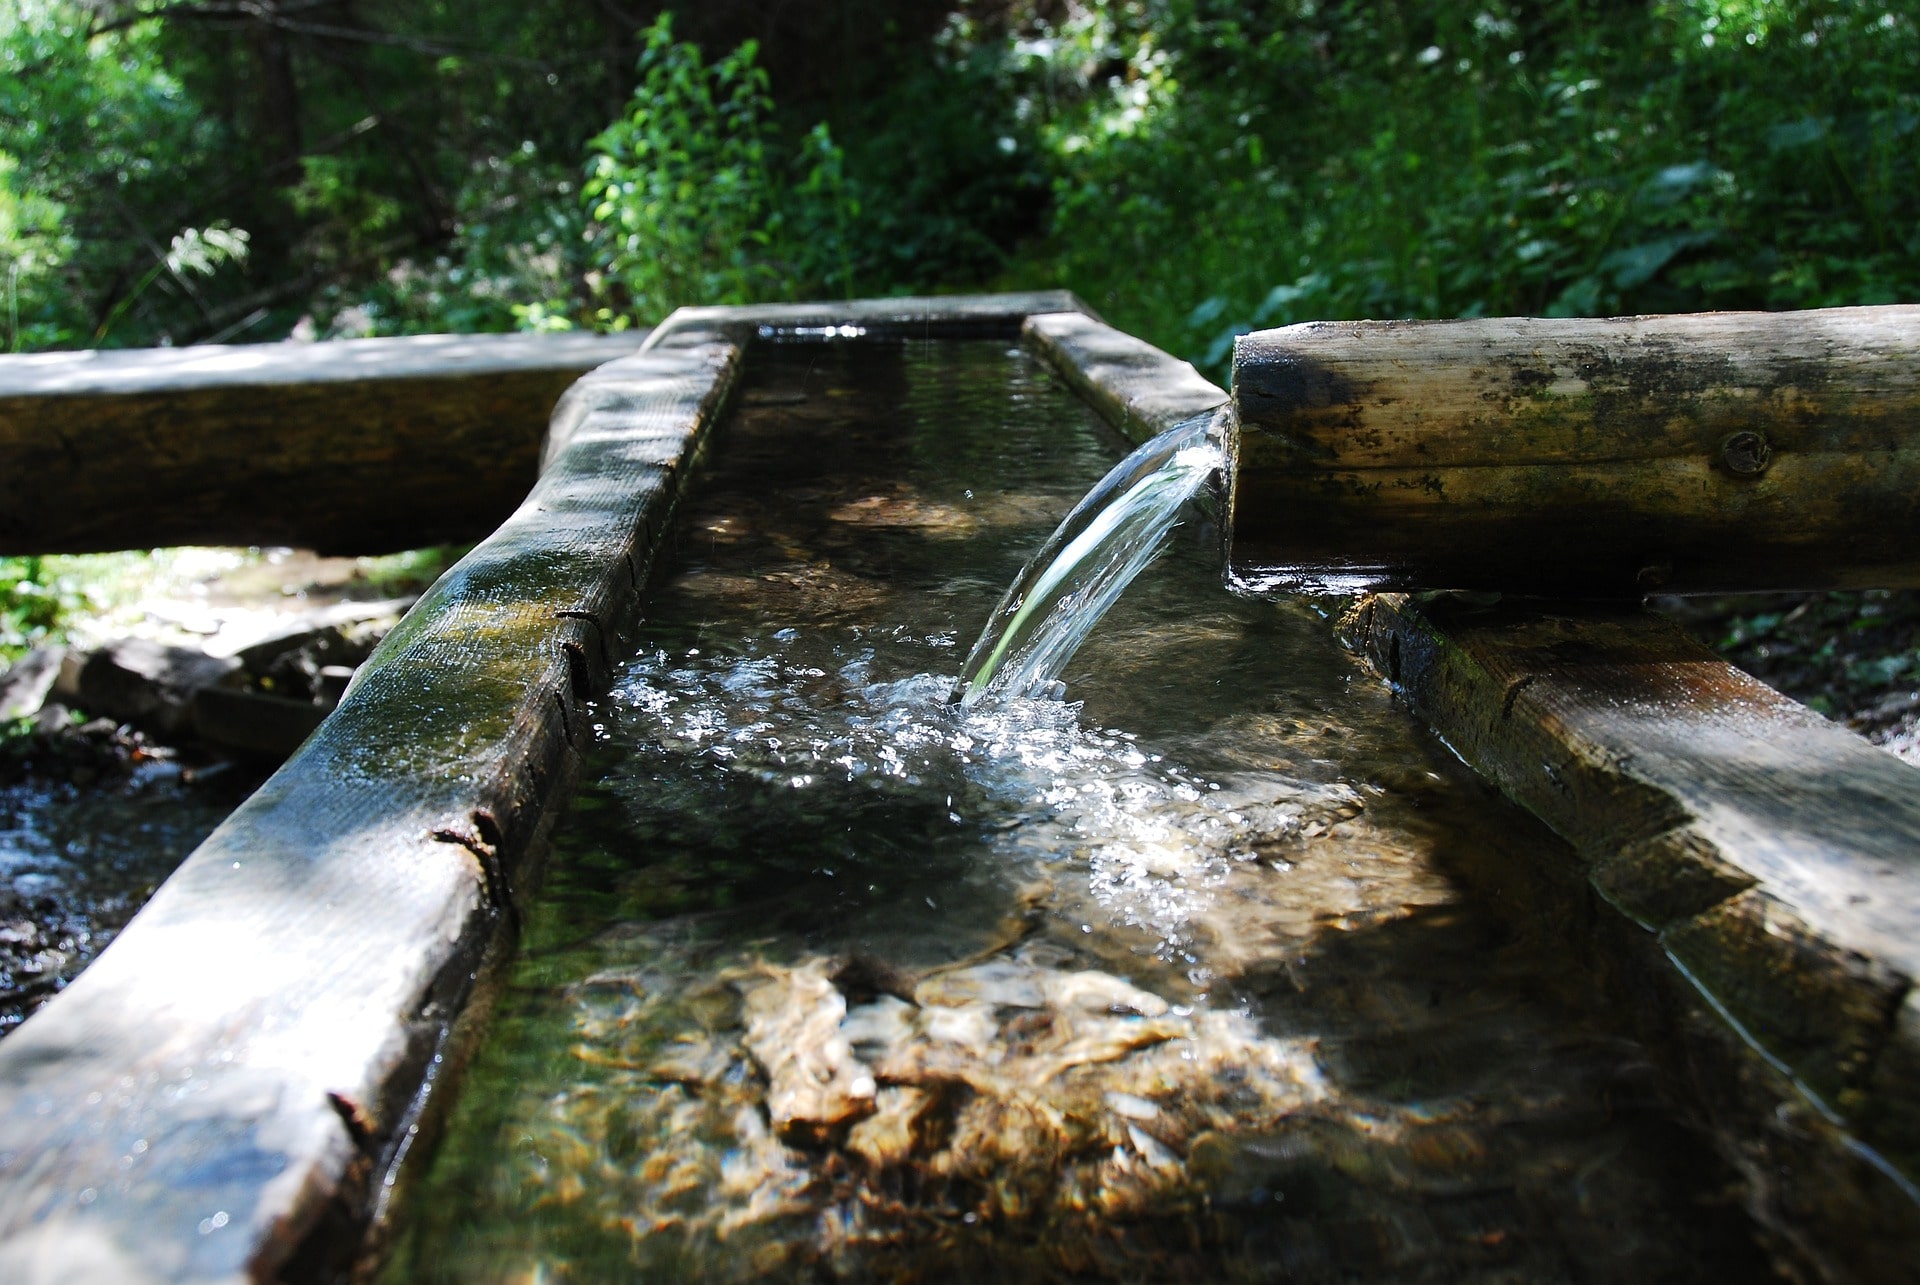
(95, 812)
(1853, 656)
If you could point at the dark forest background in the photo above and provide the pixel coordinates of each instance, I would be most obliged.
(243, 170)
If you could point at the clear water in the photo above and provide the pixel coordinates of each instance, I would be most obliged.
(78, 860)
(1108, 539)
(1222, 971)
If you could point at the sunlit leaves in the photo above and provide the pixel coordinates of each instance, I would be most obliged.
(1425, 159)
(693, 198)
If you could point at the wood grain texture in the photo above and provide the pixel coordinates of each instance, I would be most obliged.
(1773, 856)
(1592, 457)
(359, 446)
(223, 1095)
(1138, 389)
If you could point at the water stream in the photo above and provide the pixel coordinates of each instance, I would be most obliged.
(1223, 971)
(1108, 539)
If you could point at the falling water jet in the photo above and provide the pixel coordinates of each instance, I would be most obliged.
(1090, 559)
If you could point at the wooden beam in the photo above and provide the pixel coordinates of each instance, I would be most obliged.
(358, 446)
(1722, 451)
(1770, 860)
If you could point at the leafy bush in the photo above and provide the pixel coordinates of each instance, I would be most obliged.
(33, 605)
(1192, 167)
(695, 200)
(1221, 166)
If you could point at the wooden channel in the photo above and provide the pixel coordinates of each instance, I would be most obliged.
(1757, 869)
(232, 1089)
(229, 1090)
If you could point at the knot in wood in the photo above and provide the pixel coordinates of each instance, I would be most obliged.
(1747, 453)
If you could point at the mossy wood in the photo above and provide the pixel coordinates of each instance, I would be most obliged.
(360, 446)
(1770, 854)
(1137, 388)
(228, 1092)
(1589, 457)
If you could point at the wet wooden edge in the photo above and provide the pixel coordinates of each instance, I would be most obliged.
(225, 1092)
(1767, 862)
(1137, 388)
(356, 446)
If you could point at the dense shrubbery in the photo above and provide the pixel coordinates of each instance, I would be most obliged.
(1194, 167)
(1228, 165)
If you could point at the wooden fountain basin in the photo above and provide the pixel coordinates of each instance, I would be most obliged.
(234, 1089)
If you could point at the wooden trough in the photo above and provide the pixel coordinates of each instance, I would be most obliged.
(360, 446)
(233, 1090)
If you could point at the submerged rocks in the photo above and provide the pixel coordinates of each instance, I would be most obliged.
(814, 1082)
(813, 1116)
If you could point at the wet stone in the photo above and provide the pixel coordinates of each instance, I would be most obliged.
(815, 1084)
(150, 683)
(26, 684)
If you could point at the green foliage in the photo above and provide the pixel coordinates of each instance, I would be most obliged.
(1221, 166)
(33, 605)
(1193, 167)
(94, 137)
(195, 252)
(695, 200)
(1851, 654)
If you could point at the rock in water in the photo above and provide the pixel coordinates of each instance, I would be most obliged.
(815, 1084)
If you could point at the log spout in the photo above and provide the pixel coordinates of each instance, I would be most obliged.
(1594, 458)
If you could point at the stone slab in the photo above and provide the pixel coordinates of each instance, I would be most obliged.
(26, 684)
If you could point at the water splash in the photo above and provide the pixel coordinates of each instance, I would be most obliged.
(1089, 560)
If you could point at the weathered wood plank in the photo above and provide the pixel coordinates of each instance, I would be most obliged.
(1774, 857)
(225, 1091)
(1591, 457)
(911, 317)
(364, 445)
